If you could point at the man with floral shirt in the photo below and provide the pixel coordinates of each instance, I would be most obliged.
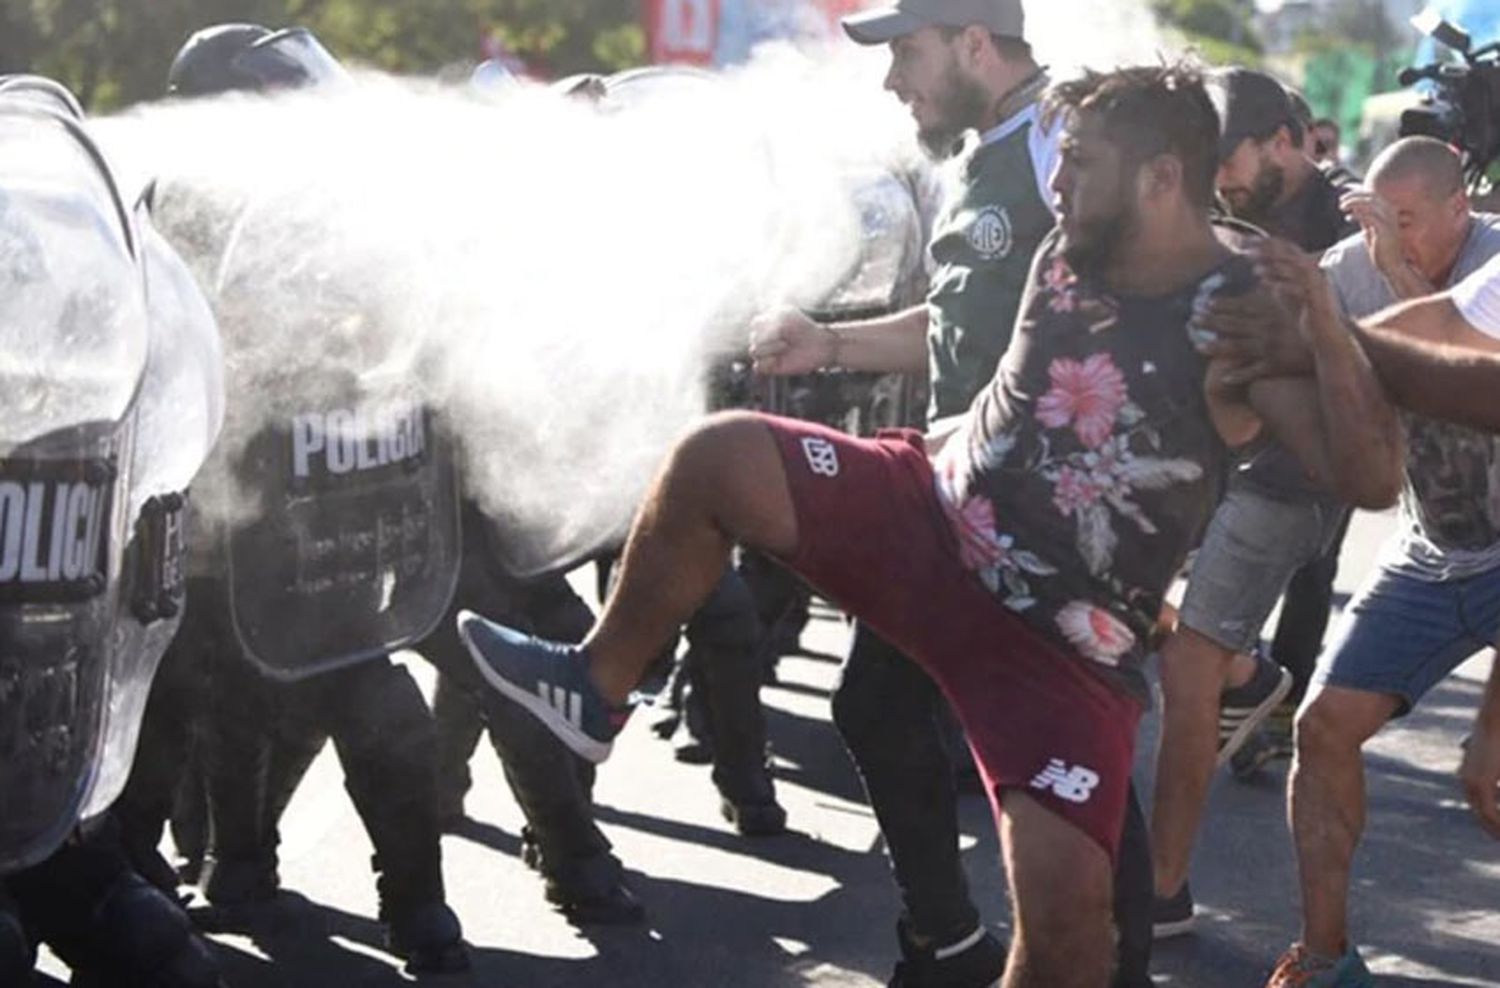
(973, 88)
(1043, 536)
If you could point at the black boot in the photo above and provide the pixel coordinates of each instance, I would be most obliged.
(973, 960)
(589, 891)
(428, 937)
(108, 924)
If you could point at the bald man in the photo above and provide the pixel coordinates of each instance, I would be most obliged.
(1434, 600)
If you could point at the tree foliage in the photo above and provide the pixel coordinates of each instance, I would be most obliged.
(115, 52)
(1220, 29)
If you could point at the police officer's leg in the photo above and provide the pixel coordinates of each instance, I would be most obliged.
(887, 710)
(109, 925)
(165, 760)
(386, 743)
(459, 723)
(724, 639)
(240, 866)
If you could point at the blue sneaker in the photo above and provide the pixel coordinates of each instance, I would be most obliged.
(1298, 968)
(550, 681)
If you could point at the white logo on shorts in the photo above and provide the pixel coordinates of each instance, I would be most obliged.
(1075, 784)
(822, 457)
(991, 235)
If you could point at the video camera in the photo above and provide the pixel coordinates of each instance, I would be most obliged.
(1465, 108)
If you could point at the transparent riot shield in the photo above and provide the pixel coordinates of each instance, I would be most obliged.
(73, 343)
(336, 498)
(177, 419)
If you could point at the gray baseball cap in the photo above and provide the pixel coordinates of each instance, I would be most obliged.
(884, 25)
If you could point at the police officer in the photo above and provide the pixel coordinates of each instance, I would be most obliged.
(260, 733)
(85, 612)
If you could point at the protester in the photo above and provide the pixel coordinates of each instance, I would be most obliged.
(1276, 532)
(1435, 598)
(973, 89)
(1045, 682)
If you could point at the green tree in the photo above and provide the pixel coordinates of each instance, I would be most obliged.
(115, 52)
(1221, 30)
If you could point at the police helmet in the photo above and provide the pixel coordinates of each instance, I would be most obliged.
(250, 58)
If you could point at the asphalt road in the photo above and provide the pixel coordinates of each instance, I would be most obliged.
(816, 907)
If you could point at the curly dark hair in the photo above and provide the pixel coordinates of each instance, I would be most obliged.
(1151, 110)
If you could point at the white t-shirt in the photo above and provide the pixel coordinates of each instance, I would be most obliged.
(1478, 298)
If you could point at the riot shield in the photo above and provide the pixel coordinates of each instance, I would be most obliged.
(73, 345)
(337, 503)
(178, 417)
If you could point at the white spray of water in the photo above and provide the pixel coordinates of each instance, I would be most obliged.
(555, 278)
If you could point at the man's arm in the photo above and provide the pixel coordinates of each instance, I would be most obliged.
(788, 342)
(1339, 421)
(1435, 363)
(1431, 358)
(1480, 772)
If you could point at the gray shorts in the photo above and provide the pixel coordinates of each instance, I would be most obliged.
(1253, 547)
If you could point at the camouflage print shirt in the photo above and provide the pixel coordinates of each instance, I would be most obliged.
(1450, 508)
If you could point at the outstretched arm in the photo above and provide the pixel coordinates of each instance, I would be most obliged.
(788, 342)
(1435, 363)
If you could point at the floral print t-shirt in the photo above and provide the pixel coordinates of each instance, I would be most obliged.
(1089, 468)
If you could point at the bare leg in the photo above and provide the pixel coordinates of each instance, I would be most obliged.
(723, 484)
(1193, 672)
(1060, 885)
(1327, 804)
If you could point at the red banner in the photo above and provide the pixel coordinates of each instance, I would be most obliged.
(683, 31)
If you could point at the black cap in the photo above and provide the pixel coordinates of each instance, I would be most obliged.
(1251, 105)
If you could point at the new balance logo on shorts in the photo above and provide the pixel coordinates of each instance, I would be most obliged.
(822, 457)
(566, 702)
(1074, 784)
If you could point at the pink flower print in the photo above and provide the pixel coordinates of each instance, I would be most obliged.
(1076, 490)
(973, 524)
(1060, 281)
(1088, 396)
(1096, 633)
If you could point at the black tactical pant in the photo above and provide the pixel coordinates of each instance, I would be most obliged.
(892, 717)
(724, 668)
(716, 685)
(552, 786)
(261, 736)
(166, 779)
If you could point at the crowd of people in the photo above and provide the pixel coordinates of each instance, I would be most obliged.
(1169, 340)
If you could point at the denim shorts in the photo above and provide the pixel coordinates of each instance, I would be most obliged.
(1402, 635)
(1253, 546)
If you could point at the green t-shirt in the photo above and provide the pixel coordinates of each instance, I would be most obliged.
(994, 218)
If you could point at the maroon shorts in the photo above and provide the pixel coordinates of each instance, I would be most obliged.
(872, 536)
